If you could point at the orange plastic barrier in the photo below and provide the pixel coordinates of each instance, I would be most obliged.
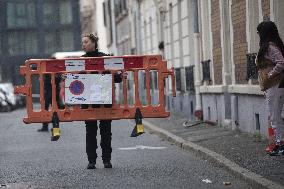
(100, 65)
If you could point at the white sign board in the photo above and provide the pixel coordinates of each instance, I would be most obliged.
(113, 64)
(88, 89)
(75, 65)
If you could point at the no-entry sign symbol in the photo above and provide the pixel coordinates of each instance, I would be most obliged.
(76, 87)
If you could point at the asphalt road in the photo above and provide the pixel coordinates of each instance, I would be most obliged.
(28, 159)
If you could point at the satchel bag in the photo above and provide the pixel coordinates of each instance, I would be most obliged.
(265, 82)
(264, 67)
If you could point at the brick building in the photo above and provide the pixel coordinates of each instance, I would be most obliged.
(166, 28)
(233, 97)
(211, 44)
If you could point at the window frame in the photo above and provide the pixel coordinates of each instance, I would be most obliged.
(30, 23)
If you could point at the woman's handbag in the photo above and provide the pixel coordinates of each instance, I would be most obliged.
(264, 67)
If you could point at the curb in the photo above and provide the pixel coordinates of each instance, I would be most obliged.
(214, 157)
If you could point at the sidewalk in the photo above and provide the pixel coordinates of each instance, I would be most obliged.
(241, 153)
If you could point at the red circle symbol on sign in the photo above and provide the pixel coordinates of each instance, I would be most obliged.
(76, 87)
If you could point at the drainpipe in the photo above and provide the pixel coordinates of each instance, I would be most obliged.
(113, 25)
(196, 40)
(139, 42)
(158, 19)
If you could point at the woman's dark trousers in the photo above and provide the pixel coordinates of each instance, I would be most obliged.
(91, 140)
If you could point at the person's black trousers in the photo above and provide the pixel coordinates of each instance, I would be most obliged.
(91, 140)
(47, 102)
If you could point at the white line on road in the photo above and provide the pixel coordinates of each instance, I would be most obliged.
(207, 181)
(142, 148)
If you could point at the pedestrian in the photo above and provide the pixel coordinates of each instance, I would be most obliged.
(48, 96)
(90, 46)
(270, 63)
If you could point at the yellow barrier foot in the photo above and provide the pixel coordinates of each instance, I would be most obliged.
(55, 131)
(55, 134)
(139, 128)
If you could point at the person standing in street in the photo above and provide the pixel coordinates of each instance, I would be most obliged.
(270, 63)
(48, 96)
(90, 46)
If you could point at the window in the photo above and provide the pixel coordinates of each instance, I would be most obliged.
(22, 43)
(50, 42)
(120, 7)
(253, 21)
(206, 70)
(67, 41)
(178, 79)
(104, 9)
(124, 6)
(49, 14)
(251, 66)
(109, 34)
(189, 76)
(65, 12)
(116, 8)
(20, 14)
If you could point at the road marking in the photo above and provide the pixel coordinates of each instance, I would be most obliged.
(142, 148)
(207, 181)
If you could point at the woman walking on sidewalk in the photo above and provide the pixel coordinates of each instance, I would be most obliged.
(270, 63)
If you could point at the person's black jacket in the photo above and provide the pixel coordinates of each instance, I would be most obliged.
(96, 53)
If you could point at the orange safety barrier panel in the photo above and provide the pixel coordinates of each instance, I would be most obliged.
(98, 65)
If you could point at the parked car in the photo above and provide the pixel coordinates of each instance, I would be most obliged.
(8, 100)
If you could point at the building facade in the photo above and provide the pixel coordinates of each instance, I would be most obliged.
(93, 21)
(211, 45)
(36, 29)
(166, 28)
(230, 42)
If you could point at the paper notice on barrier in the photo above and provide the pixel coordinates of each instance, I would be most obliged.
(113, 64)
(96, 97)
(88, 89)
(96, 93)
(96, 88)
(75, 65)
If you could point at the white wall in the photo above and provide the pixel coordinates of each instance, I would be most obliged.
(149, 34)
(100, 28)
(278, 15)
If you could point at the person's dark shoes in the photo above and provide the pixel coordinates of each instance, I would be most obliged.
(107, 164)
(91, 165)
(43, 129)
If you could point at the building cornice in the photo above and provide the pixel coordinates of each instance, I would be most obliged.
(233, 89)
